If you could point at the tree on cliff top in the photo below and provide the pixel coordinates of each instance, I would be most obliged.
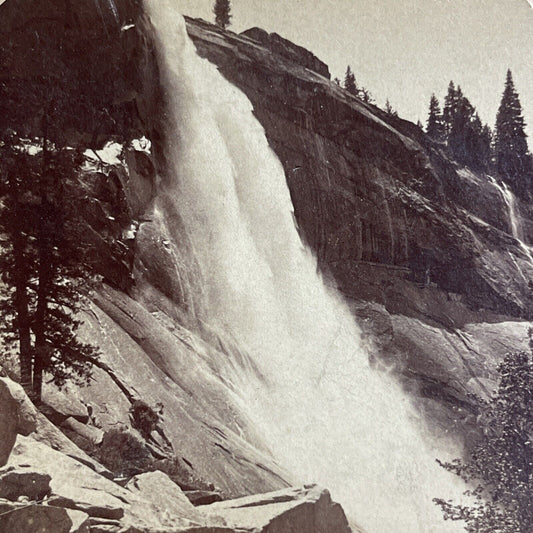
(390, 110)
(512, 157)
(222, 11)
(468, 140)
(501, 464)
(435, 124)
(349, 81)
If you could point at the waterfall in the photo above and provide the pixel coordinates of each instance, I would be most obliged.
(515, 224)
(508, 196)
(327, 416)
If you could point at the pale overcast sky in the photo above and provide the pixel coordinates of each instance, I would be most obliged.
(406, 49)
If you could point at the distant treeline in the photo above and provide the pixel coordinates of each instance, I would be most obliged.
(458, 127)
(503, 151)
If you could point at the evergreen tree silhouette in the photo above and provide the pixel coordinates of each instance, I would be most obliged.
(435, 125)
(513, 161)
(222, 11)
(349, 81)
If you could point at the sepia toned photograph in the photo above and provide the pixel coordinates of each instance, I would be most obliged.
(266, 266)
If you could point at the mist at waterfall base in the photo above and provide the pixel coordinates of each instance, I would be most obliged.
(328, 417)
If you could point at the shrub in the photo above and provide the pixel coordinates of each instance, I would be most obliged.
(145, 418)
(123, 453)
(500, 467)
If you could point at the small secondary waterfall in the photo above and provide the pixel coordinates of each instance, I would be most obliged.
(515, 223)
(326, 414)
(516, 226)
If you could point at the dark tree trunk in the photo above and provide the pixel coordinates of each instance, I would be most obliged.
(22, 311)
(45, 275)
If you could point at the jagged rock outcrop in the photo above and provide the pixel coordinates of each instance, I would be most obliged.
(283, 48)
(30, 422)
(44, 490)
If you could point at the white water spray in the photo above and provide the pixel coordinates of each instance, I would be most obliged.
(328, 417)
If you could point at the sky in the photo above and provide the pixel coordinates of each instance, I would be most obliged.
(405, 50)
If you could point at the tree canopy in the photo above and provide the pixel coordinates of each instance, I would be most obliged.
(349, 81)
(500, 467)
(512, 157)
(461, 129)
(435, 123)
(222, 11)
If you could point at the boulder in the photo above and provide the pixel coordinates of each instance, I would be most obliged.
(105, 512)
(299, 510)
(72, 481)
(203, 497)
(17, 482)
(26, 414)
(78, 430)
(64, 402)
(158, 489)
(8, 422)
(43, 519)
(31, 422)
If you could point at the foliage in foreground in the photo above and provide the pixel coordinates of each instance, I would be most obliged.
(501, 465)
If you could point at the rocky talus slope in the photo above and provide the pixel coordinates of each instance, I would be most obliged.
(48, 485)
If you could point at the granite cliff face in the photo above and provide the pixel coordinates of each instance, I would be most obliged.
(433, 258)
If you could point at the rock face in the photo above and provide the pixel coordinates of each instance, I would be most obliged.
(8, 423)
(308, 509)
(285, 49)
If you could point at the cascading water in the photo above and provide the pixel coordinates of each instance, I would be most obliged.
(327, 416)
(514, 222)
(516, 227)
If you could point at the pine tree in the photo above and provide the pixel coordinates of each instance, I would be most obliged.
(390, 110)
(435, 125)
(450, 106)
(17, 257)
(222, 11)
(461, 116)
(513, 162)
(64, 274)
(349, 81)
(468, 141)
(45, 272)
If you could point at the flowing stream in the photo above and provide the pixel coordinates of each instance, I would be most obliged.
(325, 413)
